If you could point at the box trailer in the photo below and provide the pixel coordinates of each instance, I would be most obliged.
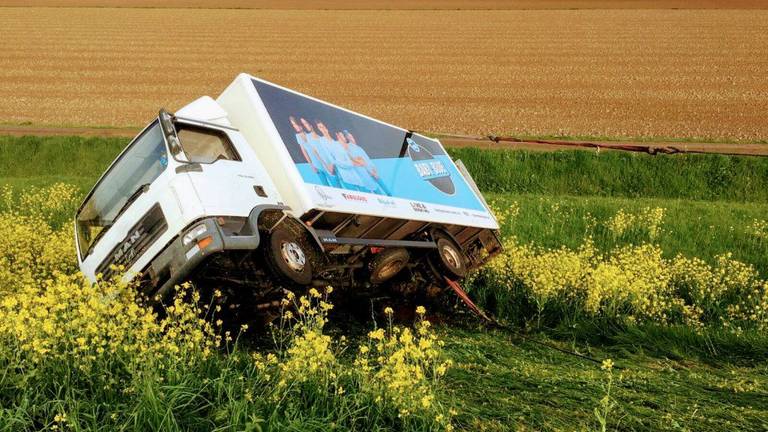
(265, 189)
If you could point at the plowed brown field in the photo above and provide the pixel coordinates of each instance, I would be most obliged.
(404, 4)
(664, 73)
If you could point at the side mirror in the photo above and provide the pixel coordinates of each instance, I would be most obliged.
(174, 144)
(166, 122)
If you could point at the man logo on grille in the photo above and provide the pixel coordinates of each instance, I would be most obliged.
(125, 252)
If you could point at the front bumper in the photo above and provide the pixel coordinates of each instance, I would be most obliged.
(174, 264)
(177, 261)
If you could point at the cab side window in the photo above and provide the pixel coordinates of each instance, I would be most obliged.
(203, 145)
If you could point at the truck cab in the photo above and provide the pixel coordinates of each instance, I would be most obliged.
(178, 192)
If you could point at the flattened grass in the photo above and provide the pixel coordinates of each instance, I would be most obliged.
(508, 384)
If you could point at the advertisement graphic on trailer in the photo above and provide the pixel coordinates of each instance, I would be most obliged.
(335, 148)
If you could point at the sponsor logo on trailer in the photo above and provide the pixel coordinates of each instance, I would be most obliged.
(323, 195)
(354, 197)
(419, 207)
(386, 202)
(429, 168)
(442, 210)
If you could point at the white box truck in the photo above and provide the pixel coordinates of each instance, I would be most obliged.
(265, 188)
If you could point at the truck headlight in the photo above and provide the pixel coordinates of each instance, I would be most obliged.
(192, 234)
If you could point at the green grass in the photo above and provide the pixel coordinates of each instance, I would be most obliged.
(616, 174)
(670, 378)
(579, 173)
(701, 229)
(502, 383)
(555, 191)
(38, 161)
(710, 200)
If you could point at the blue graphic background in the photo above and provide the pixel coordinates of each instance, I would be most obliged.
(403, 181)
(306, 126)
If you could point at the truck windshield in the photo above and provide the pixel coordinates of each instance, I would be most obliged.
(144, 160)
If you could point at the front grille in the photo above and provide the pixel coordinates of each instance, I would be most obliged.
(139, 238)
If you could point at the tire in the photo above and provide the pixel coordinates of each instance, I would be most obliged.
(288, 258)
(448, 259)
(387, 264)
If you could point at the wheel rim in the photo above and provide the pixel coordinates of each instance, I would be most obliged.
(293, 255)
(451, 257)
(389, 269)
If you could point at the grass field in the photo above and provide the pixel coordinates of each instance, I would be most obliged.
(711, 201)
(667, 377)
(578, 173)
(695, 74)
(617, 174)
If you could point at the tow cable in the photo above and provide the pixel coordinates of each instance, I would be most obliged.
(493, 323)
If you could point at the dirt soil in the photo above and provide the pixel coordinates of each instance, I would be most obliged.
(68, 131)
(404, 4)
(691, 74)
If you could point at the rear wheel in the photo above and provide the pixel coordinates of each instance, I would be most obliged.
(449, 259)
(288, 257)
(387, 264)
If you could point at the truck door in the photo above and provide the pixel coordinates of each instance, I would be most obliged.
(224, 174)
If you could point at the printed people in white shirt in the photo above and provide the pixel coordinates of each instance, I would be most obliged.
(366, 169)
(338, 162)
(342, 164)
(319, 158)
(303, 141)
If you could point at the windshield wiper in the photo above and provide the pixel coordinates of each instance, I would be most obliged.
(97, 238)
(137, 193)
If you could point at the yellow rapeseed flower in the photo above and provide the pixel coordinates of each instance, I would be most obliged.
(607, 365)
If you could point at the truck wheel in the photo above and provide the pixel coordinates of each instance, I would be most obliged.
(387, 264)
(449, 258)
(287, 256)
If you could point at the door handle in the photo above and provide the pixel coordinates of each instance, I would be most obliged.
(189, 167)
(260, 191)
